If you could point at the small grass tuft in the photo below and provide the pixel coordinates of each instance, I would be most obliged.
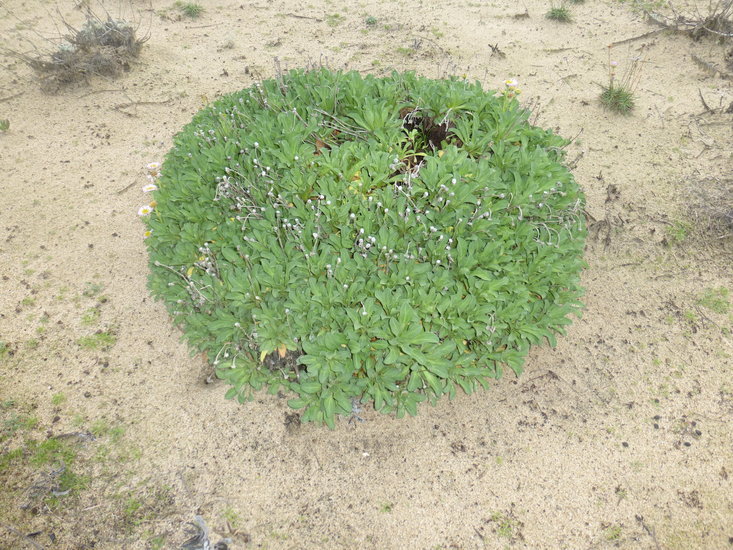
(90, 316)
(618, 96)
(4, 349)
(58, 399)
(15, 423)
(715, 299)
(232, 517)
(157, 542)
(561, 15)
(334, 19)
(190, 9)
(611, 533)
(51, 452)
(505, 526)
(101, 340)
(678, 232)
(4, 125)
(92, 289)
(370, 21)
(618, 99)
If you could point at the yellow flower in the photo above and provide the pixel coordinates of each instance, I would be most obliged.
(147, 233)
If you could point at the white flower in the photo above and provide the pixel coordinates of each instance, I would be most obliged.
(145, 210)
(147, 233)
(511, 83)
(154, 167)
(150, 187)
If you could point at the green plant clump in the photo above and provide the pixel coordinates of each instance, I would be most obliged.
(349, 238)
(190, 9)
(561, 14)
(617, 98)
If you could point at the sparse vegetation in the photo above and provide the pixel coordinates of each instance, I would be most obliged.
(506, 525)
(101, 428)
(334, 19)
(710, 201)
(100, 340)
(58, 399)
(101, 46)
(4, 125)
(560, 14)
(231, 517)
(92, 289)
(192, 10)
(678, 232)
(406, 51)
(144, 504)
(618, 99)
(612, 532)
(16, 422)
(370, 21)
(715, 299)
(618, 96)
(4, 350)
(90, 316)
(716, 22)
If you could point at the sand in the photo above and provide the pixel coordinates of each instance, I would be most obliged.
(620, 437)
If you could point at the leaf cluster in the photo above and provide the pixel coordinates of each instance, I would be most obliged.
(308, 237)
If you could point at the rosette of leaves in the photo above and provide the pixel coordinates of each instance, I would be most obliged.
(347, 238)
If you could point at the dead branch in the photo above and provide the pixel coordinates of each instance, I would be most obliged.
(710, 68)
(704, 104)
(302, 17)
(640, 37)
(717, 22)
(495, 50)
(122, 106)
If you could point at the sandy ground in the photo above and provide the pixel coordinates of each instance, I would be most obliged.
(619, 437)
